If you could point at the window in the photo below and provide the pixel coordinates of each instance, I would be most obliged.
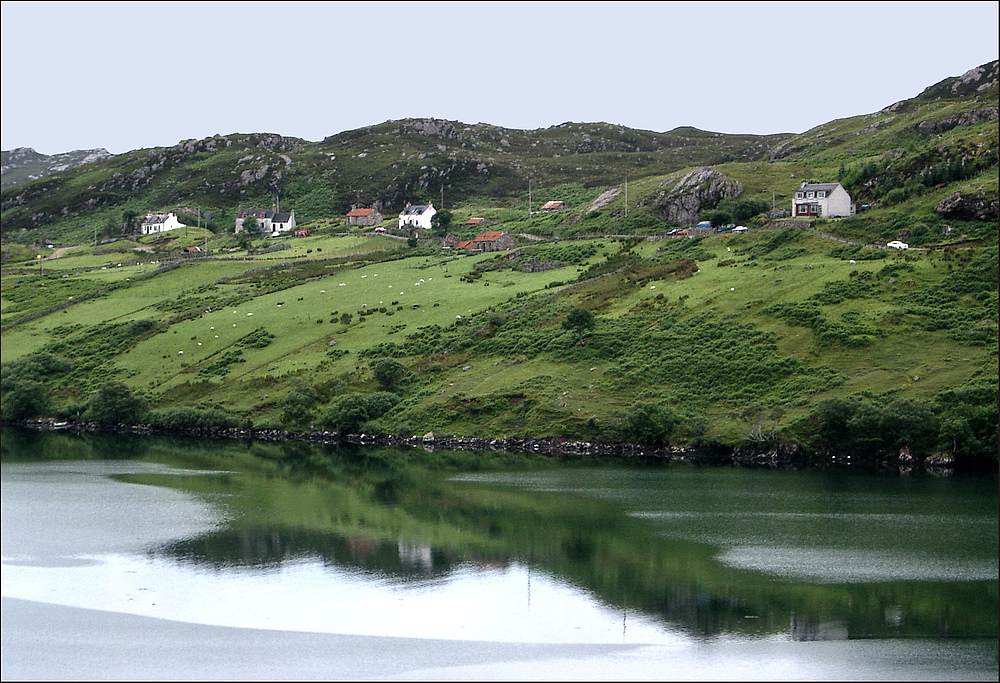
(798, 195)
(810, 195)
(821, 194)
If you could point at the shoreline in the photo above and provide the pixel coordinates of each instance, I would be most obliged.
(777, 455)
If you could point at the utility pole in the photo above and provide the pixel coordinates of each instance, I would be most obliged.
(442, 197)
(626, 196)
(529, 197)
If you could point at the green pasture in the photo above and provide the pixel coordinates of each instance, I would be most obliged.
(238, 334)
(406, 295)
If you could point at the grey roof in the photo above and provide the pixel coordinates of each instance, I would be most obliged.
(281, 217)
(414, 210)
(819, 186)
(256, 213)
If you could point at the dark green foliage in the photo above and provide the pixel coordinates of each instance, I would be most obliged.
(258, 339)
(441, 222)
(962, 421)
(347, 413)
(650, 424)
(849, 331)
(250, 225)
(379, 403)
(23, 399)
(37, 368)
(114, 403)
(389, 373)
(772, 245)
(858, 252)
(297, 405)
(221, 365)
(192, 418)
(580, 320)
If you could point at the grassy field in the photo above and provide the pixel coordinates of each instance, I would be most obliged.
(735, 335)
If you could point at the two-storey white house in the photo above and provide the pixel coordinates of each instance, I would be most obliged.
(269, 221)
(822, 200)
(160, 222)
(417, 216)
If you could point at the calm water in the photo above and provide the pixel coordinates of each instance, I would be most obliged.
(165, 559)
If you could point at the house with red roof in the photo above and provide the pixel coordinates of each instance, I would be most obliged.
(493, 240)
(363, 217)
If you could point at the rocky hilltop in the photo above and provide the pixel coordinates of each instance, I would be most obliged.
(24, 164)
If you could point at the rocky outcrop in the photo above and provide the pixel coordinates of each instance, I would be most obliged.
(696, 192)
(24, 164)
(957, 206)
(983, 115)
(533, 265)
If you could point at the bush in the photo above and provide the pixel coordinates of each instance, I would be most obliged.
(389, 373)
(192, 418)
(114, 403)
(298, 404)
(346, 414)
(650, 424)
(24, 399)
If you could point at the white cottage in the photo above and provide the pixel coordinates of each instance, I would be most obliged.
(282, 222)
(417, 216)
(822, 200)
(160, 222)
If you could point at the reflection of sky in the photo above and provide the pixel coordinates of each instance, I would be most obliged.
(886, 537)
(74, 537)
(505, 605)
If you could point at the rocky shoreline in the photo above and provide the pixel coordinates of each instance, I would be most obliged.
(760, 455)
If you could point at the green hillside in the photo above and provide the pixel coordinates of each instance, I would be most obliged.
(598, 326)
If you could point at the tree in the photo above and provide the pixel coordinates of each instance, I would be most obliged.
(243, 240)
(579, 319)
(347, 413)
(114, 403)
(26, 398)
(250, 224)
(389, 373)
(441, 222)
(650, 423)
(298, 403)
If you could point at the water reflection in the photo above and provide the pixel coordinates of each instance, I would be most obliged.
(268, 549)
(388, 536)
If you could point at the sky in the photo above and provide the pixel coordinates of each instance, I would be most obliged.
(136, 75)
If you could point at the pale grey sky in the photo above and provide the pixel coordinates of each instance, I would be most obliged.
(134, 75)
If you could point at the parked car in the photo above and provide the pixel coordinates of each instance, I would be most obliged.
(379, 229)
(740, 228)
(896, 244)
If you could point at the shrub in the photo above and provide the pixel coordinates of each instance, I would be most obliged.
(24, 399)
(347, 413)
(650, 424)
(389, 373)
(114, 403)
(192, 418)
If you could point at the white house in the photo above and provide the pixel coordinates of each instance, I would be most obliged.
(269, 221)
(263, 217)
(417, 216)
(822, 200)
(282, 222)
(160, 222)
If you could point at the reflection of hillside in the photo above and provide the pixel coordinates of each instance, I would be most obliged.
(292, 502)
(267, 549)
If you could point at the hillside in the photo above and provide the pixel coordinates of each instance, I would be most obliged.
(808, 334)
(22, 165)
